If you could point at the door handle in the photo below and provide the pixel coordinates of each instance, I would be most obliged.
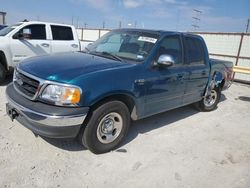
(140, 81)
(180, 76)
(203, 73)
(74, 45)
(45, 45)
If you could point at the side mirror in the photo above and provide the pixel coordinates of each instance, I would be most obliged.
(165, 60)
(26, 34)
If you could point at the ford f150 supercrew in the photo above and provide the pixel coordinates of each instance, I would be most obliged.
(126, 74)
(34, 38)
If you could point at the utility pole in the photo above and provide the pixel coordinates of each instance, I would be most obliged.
(103, 24)
(120, 24)
(196, 19)
(77, 21)
(2, 18)
(72, 20)
(248, 20)
(85, 25)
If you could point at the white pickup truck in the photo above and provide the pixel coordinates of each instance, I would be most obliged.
(33, 38)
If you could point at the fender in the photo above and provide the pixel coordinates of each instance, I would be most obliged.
(128, 98)
(214, 81)
(218, 78)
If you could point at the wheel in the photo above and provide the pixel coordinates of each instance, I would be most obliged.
(209, 102)
(106, 128)
(3, 73)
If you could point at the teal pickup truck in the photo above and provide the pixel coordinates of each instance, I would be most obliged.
(128, 74)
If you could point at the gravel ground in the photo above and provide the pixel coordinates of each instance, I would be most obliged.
(179, 148)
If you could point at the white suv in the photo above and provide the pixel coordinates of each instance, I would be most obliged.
(33, 38)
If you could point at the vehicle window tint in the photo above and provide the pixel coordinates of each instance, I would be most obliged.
(194, 51)
(38, 31)
(171, 46)
(61, 33)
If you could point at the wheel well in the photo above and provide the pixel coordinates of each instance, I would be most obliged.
(127, 100)
(221, 79)
(3, 60)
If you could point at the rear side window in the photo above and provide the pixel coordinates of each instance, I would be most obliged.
(38, 31)
(61, 33)
(194, 51)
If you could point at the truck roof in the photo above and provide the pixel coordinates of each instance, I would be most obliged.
(41, 22)
(159, 32)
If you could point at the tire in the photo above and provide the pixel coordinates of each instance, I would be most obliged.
(106, 128)
(3, 73)
(209, 102)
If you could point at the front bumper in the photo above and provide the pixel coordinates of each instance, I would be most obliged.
(44, 119)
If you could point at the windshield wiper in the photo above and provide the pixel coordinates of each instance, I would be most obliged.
(105, 54)
(112, 55)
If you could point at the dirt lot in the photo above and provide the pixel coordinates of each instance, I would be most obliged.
(180, 148)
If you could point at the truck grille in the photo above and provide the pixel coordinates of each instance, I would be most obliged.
(26, 85)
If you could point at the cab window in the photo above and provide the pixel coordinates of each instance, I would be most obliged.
(62, 33)
(171, 45)
(37, 32)
(195, 53)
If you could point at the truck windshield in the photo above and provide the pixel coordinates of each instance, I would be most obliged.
(125, 44)
(6, 30)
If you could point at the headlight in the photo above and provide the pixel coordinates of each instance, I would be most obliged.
(61, 95)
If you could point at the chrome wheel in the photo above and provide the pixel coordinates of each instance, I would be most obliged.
(210, 99)
(109, 128)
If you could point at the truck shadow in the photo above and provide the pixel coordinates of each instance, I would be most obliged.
(157, 121)
(65, 144)
(137, 127)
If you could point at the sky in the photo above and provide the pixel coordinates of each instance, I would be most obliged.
(173, 15)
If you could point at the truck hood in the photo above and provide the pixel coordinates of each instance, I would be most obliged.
(66, 67)
(4, 40)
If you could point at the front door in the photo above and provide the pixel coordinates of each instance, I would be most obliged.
(165, 85)
(36, 44)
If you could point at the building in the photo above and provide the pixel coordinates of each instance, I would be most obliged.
(2, 18)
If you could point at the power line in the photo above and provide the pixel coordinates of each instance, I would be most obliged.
(196, 19)
(248, 20)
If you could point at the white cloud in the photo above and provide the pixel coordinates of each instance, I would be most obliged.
(132, 3)
(171, 1)
(153, 3)
(104, 5)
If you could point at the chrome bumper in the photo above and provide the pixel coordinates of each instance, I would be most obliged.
(44, 119)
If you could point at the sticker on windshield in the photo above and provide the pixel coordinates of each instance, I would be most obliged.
(147, 39)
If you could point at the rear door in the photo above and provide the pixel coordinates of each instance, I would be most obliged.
(197, 67)
(37, 44)
(63, 39)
